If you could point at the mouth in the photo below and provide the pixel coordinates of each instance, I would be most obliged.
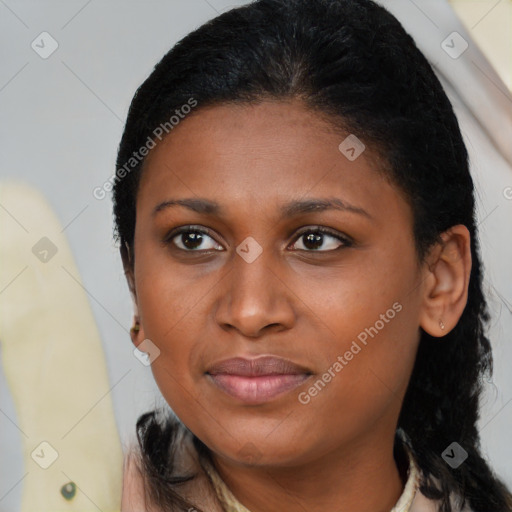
(255, 381)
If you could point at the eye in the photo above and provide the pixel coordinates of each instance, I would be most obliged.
(192, 239)
(312, 239)
(321, 240)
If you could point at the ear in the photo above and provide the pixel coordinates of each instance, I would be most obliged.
(137, 331)
(446, 282)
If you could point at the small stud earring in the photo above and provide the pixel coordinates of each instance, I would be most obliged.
(441, 324)
(135, 328)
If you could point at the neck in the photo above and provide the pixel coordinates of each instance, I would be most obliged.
(363, 477)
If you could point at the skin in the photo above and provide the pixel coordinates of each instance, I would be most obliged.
(294, 301)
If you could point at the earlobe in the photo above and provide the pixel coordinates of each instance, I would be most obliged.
(135, 330)
(445, 290)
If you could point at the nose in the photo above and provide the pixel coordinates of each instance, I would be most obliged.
(254, 298)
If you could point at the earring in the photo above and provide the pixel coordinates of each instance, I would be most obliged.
(136, 327)
(441, 324)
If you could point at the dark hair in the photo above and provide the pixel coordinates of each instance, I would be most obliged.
(352, 62)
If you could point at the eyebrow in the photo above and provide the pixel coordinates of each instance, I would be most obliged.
(205, 206)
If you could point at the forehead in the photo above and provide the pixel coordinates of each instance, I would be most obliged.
(247, 128)
(263, 153)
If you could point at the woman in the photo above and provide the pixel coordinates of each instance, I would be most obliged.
(296, 221)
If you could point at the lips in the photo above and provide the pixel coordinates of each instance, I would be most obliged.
(267, 365)
(257, 380)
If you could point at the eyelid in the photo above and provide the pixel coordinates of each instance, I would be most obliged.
(186, 228)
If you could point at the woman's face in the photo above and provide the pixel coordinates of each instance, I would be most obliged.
(248, 276)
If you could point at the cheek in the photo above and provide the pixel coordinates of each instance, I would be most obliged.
(166, 308)
(370, 288)
(364, 380)
(368, 322)
(176, 379)
(166, 299)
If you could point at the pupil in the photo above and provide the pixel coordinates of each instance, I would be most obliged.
(189, 239)
(314, 239)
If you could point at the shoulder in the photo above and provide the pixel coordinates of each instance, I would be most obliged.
(185, 461)
(133, 496)
(421, 503)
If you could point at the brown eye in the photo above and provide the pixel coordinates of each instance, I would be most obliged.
(191, 239)
(320, 240)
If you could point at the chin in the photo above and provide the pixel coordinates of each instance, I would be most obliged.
(256, 453)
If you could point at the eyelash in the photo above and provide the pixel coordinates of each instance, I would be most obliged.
(345, 240)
